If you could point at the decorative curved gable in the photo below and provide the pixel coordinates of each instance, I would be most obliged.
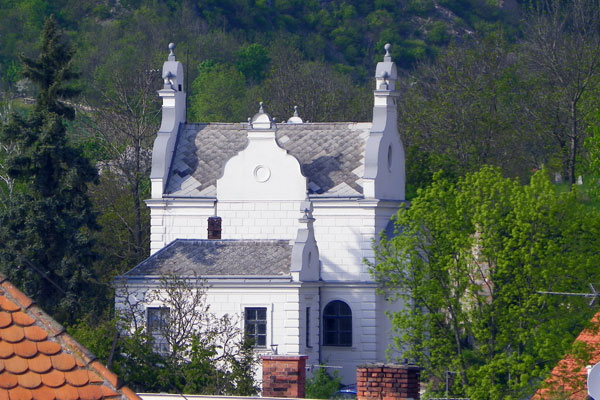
(262, 171)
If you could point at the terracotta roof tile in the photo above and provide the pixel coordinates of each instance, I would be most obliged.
(26, 349)
(35, 333)
(78, 377)
(7, 380)
(20, 393)
(29, 380)
(43, 393)
(106, 391)
(8, 305)
(106, 374)
(53, 378)
(128, 392)
(5, 319)
(90, 392)
(20, 318)
(39, 360)
(6, 349)
(63, 362)
(12, 334)
(49, 348)
(568, 379)
(20, 297)
(67, 392)
(16, 365)
(41, 363)
(94, 378)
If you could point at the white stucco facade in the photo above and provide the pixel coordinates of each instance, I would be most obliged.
(330, 207)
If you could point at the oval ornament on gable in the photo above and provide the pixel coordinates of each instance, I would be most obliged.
(262, 173)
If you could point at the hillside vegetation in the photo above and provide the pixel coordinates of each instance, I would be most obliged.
(502, 83)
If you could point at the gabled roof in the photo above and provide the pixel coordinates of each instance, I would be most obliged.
(39, 360)
(331, 156)
(206, 258)
(568, 379)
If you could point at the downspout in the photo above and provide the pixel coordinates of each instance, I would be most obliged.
(320, 327)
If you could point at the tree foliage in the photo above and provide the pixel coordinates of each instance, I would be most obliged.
(469, 260)
(562, 48)
(45, 226)
(322, 385)
(220, 94)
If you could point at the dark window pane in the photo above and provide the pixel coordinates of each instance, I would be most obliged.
(256, 325)
(337, 324)
(345, 339)
(261, 341)
(345, 324)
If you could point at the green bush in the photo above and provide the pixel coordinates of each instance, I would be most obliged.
(322, 385)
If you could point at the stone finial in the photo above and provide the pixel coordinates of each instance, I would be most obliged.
(388, 56)
(295, 119)
(261, 119)
(171, 52)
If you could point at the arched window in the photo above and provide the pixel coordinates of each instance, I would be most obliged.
(337, 324)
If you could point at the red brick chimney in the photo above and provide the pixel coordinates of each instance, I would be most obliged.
(387, 382)
(214, 228)
(284, 376)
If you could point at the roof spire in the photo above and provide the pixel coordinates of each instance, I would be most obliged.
(261, 119)
(388, 56)
(295, 119)
(171, 52)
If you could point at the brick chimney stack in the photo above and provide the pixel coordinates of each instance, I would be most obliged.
(387, 382)
(214, 228)
(284, 376)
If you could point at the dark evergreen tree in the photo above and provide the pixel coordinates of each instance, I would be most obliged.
(45, 222)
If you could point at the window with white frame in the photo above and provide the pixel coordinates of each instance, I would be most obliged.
(255, 325)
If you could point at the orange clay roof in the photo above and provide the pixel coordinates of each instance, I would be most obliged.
(39, 360)
(568, 379)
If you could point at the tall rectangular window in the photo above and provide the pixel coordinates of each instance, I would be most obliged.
(308, 327)
(157, 324)
(255, 324)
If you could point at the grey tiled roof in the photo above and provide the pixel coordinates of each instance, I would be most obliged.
(218, 257)
(331, 156)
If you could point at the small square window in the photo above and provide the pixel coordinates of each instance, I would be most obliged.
(255, 323)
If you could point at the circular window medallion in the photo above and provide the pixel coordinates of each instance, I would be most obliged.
(262, 173)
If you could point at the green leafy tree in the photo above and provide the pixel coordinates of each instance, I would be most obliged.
(322, 385)
(562, 48)
(467, 110)
(468, 263)
(219, 94)
(45, 226)
(253, 61)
